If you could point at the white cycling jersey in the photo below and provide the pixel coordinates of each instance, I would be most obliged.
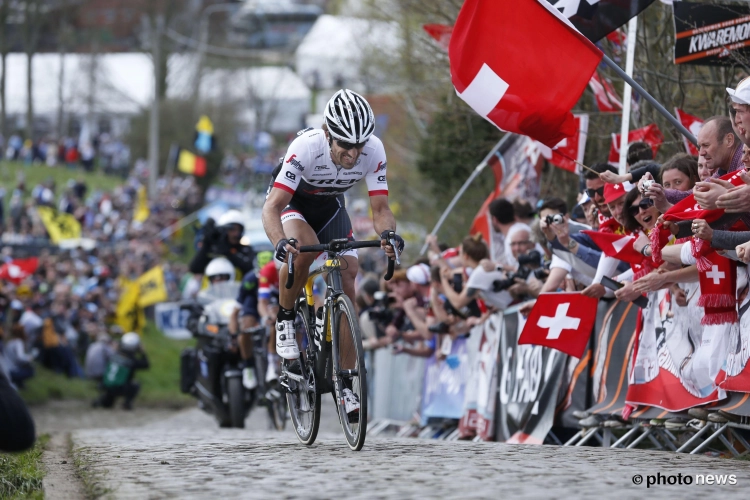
(309, 172)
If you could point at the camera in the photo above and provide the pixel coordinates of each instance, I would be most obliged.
(210, 232)
(528, 264)
(439, 328)
(554, 219)
(380, 312)
(647, 184)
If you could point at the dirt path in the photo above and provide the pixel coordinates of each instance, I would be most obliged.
(61, 481)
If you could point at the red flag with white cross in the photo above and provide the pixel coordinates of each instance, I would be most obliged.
(649, 134)
(18, 270)
(521, 65)
(693, 124)
(562, 321)
(619, 246)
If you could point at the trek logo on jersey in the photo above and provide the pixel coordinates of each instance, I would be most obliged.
(295, 163)
(381, 166)
(291, 176)
(333, 182)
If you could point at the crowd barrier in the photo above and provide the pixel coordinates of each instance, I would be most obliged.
(491, 388)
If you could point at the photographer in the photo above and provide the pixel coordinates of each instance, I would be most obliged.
(499, 288)
(222, 239)
(553, 216)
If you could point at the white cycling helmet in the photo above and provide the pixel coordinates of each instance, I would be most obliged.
(130, 341)
(231, 217)
(220, 266)
(349, 117)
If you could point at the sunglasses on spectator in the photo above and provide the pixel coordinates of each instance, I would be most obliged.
(644, 204)
(593, 192)
(348, 145)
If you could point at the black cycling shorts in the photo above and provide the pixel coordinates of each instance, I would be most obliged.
(328, 219)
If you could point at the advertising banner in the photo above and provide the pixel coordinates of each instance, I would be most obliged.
(711, 34)
(171, 321)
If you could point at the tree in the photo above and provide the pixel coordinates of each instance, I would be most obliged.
(32, 22)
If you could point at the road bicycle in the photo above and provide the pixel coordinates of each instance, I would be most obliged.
(333, 360)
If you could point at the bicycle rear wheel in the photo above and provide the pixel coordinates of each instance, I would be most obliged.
(302, 398)
(349, 370)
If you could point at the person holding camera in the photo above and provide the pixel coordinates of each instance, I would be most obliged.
(222, 239)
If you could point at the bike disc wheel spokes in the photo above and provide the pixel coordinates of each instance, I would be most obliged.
(349, 371)
(304, 405)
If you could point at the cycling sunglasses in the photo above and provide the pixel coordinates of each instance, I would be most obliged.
(218, 278)
(644, 204)
(593, 192)
(348, 145)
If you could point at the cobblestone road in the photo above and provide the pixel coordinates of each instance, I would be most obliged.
(188, 456)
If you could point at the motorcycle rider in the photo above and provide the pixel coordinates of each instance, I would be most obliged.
(223, 240)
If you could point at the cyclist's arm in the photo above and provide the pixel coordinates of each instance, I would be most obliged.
(277, 199)
(382, 217)
(233, 320)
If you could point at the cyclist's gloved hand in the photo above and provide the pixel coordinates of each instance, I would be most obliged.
(281, 251)
(386, 235)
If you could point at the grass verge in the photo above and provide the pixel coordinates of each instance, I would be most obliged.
(36, 174)
(160, 384)
(21, 474)
(92, 484)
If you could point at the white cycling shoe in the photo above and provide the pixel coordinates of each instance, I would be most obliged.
(351, 405)
(286, 340)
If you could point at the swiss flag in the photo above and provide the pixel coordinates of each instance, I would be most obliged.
(693, 124)
(619, 246)
(607, 99)
(18, 270)
(571, 150)
(562, 321)
(521, 65)
(649, 134)
(441, 33)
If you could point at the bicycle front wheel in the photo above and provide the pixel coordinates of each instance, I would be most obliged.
(350, 373)
(303, 399)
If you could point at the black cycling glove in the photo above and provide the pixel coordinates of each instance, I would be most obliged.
(281, 252)
(386, 235)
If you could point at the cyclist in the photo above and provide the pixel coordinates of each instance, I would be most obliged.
(253, 302)
(305, 200)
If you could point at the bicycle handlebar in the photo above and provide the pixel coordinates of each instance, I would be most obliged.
(338, 245)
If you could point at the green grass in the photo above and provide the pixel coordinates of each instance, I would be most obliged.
(160, 384)
(21, 474)
(92, 482)
(35, 174)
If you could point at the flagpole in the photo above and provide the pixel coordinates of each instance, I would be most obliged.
(627, 94)
(674, 121)
(477, 171)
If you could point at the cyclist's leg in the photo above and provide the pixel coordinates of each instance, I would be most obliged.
(295, 226)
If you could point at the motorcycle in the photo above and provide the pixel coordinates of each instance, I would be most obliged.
(211, 371)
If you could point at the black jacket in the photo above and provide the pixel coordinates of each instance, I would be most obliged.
(241, 256)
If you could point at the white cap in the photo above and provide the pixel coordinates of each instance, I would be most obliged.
(585, 198)
(419, 274)
(741, 94)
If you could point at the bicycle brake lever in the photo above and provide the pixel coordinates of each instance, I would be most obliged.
(394, 245)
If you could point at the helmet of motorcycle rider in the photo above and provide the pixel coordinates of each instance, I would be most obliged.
(130, 341)
(219, 269)
(231, 217)
(349, 117)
